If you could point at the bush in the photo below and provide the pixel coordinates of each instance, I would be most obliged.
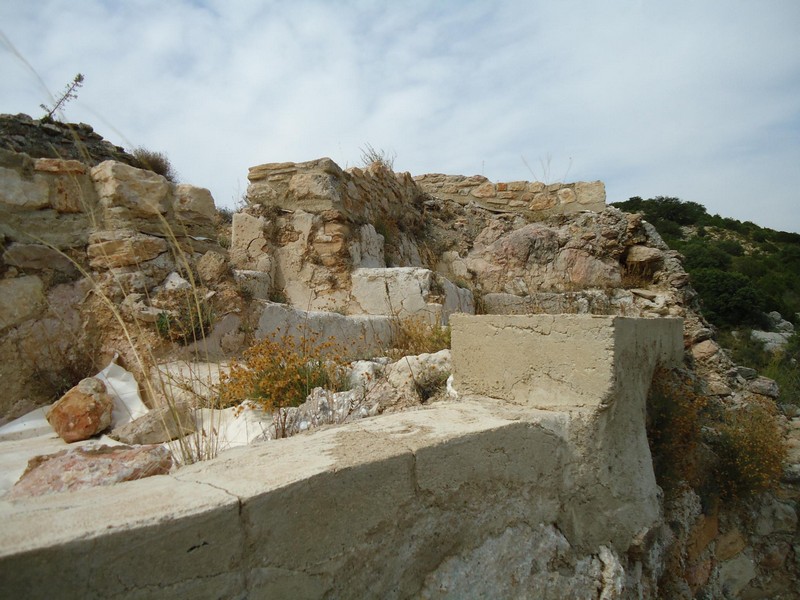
(157, 162)
(751, 451)
(415, 335)
(674, 411)
(280, 372)
(728, 298)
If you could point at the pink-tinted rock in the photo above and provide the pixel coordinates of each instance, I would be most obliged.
(79, 468)
(82, 412)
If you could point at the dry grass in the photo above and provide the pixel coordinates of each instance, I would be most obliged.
(281, 371)
(751, 450)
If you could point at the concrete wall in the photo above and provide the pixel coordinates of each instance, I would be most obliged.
(483, 497)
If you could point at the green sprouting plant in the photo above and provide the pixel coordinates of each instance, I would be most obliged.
(70, 93)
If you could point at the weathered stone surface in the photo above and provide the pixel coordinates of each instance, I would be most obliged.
(705, 349)
(194, 205)
(123, 248)
(255, 284)
(21, 192)
(82, 412)
(640, 255)
(776, 517)
(365, 335)
(144, 193)
(249, 247)
(175, 282)
(71, 188)
(21, 298)
(702, 534)
(160, 425)
(736, 573)
(764, 386)
(729, 544)
(37, 256)
(212, 267)
(771, 340)
(86, 467)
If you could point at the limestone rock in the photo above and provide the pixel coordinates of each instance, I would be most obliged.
(175, 282)
(249, 246)
(143, 193)
(764, 386)
(20, 192)
(212, 267)
(256, 284)
(37, 256)
(641, 255)
(84, 467)
(21, 298)
(194, 205)
(82, 412)
(705, 349)
(160, 425)
(771, 340)
(122, 248)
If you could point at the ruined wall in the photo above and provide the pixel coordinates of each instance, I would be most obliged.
(532, 198)
(475, 498)
(61, 219)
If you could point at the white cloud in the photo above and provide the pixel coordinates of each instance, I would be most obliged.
(697, 100)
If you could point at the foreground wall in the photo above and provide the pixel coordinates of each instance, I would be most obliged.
(488, 496)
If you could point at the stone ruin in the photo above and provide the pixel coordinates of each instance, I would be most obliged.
(533, 478)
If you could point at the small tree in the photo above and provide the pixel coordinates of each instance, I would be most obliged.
(70, 93)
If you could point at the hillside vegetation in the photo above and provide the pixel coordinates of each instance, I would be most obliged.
(741, 271)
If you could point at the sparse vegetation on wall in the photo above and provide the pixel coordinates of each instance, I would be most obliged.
(156, 162)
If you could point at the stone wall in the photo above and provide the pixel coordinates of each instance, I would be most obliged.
(53, 139)
(529, 197)
(61, 220)
(476, 498)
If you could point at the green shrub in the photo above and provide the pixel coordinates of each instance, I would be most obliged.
(728, 299)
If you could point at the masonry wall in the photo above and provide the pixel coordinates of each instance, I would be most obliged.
(480, 497)
(529, 197)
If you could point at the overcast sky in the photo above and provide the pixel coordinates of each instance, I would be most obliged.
(694, 99)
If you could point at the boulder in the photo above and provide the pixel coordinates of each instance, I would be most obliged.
(85, 467)
(764, 386)
(82, 412)
(194, 205)
(212, 267)
(144, 193)
(160, 425)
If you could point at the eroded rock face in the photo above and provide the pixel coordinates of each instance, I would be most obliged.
(80, 468)
(82, 412)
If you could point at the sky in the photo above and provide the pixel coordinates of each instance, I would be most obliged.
(698, 100)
